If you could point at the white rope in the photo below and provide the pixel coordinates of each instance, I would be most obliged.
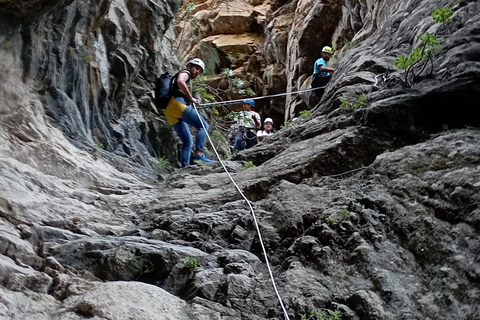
(253, 214)
(204, 105)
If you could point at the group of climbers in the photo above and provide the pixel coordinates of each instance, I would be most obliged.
(181, 112)
(245, 131)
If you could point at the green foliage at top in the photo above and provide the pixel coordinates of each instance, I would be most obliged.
(423, 54)
(442, 15)
(237, 85)
(323, 315)
(188, 13)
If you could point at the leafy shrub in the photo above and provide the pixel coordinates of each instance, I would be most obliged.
(248, 164)
(193, 264)
(423, 55)
(357, 103)
(305, 113)
(162, 165)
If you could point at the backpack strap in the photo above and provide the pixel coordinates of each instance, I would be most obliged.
(174, 86)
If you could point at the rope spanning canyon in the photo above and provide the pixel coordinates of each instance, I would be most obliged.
(214, 104)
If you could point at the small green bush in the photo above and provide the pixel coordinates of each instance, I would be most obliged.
(357, 103)
(248, 164)
(193, 264)
(305, 113)
(162, 165)
(330, 220)
(422, 55)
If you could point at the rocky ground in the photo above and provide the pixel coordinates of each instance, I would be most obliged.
(372, 212)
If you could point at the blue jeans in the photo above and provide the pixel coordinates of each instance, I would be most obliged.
(244, 139)
(191, 117)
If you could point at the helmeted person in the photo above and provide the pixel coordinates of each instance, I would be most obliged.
(267, 129)
(321, 72)
(180, 113)
(246, 124)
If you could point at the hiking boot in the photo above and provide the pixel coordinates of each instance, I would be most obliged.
(202, 159)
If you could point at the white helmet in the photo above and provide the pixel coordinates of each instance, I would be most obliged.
(197, 62)
(268, 120)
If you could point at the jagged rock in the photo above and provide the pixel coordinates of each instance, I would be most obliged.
(372, 212)
(368, 305)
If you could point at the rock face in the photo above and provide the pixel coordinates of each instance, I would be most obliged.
(371, 211)
(94, 65)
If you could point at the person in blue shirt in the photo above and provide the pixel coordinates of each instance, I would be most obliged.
(321, 73)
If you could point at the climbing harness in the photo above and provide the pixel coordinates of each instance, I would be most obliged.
(253, 215)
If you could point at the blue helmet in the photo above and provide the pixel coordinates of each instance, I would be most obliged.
(250, 102)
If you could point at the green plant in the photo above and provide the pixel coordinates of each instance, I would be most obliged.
(233, 60)
(188, 14)
(325, 314)
(248, 164)
(85, 59)
(418, 60)
(305, 113)
(288, 124)
(162, 164)
(202, 89)
(96, 150)
(359, 102)
(141, 266)
(344, 214)
(193, 264)
(330, 220)
(237, 85)
(337, 217)
(442, 15)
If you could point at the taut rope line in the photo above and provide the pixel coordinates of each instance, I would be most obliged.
(213, 104)
(254, 219)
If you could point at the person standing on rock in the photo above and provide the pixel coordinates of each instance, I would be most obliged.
(267, 129)
(180, 112)
(246, 124)
(321, 73)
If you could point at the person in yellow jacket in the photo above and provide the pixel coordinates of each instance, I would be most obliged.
(180, 113)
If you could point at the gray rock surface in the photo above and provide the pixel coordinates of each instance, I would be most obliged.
(372, 212)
